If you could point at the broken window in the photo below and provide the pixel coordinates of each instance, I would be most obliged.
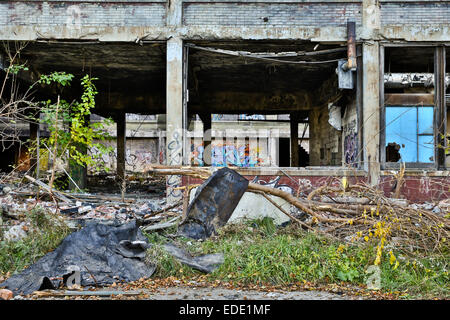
(414, 105)
(409, 134)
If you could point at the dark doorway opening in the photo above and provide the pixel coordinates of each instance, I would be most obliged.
(284, 152)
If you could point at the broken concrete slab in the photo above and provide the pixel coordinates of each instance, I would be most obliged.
(161, 225)
(206, 263)
(213, 204)
(255, 206)
(95, 249)
(15, 233)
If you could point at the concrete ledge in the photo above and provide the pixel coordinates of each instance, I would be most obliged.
(307, 172)
(418, 173)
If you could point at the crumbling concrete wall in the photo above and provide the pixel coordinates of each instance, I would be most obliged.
(76, 14)
(270, 13)
(325, 147)
(414, 12)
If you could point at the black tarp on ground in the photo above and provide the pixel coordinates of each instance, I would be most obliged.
(213, 204)
(109, 250)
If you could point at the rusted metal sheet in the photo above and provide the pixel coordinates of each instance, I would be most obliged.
(409, 99)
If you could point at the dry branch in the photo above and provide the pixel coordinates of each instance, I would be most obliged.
(378, 218)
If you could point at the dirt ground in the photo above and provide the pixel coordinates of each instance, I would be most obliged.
(189, 293)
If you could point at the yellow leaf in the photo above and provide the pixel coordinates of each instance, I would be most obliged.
(396, 265)
(344, 182)
(392, 258)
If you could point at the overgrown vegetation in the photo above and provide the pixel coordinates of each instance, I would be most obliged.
(259, 253)
(73, 140)
(71, 132)
(46, 232)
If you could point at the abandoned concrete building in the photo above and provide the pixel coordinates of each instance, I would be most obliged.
(291, 93)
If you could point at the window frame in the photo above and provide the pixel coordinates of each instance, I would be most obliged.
(438, 103)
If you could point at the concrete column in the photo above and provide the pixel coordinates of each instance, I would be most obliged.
(34, 142)
(174, 113)
(314, 137)
(294, 140)
(274, 150)
(121, 144)
(371, 90)
(207, 128)
(174, 13)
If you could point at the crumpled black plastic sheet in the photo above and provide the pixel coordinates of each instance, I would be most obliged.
(107, 251)
(213, 204)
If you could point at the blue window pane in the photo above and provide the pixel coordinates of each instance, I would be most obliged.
(426, 149)
(401, 128)
(425, 120)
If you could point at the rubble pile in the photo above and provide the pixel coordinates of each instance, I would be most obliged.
(16, 202)
(107, 243)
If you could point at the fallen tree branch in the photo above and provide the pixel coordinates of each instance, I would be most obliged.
(376, 217)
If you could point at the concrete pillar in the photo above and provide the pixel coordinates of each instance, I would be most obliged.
(121, 144)
(206, 119)
(371, 90)
(274, 150)
(294, 140)
(174, 113)
(34, 142)
(314, 137)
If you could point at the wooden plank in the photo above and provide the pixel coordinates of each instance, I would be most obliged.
(47, 188)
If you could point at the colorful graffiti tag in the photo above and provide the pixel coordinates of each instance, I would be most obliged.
(227, 155)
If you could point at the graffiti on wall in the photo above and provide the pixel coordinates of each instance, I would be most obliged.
(299, 186)
(228, 155)
(252, 117)
(138, 155)
(174, 157)
(418, 188)
(350, 143)
(274, 183)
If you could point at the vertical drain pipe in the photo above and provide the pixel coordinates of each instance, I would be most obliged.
(351, 47)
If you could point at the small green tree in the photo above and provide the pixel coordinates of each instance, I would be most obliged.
(71, 132)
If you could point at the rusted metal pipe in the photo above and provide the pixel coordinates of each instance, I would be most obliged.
(351, 47)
